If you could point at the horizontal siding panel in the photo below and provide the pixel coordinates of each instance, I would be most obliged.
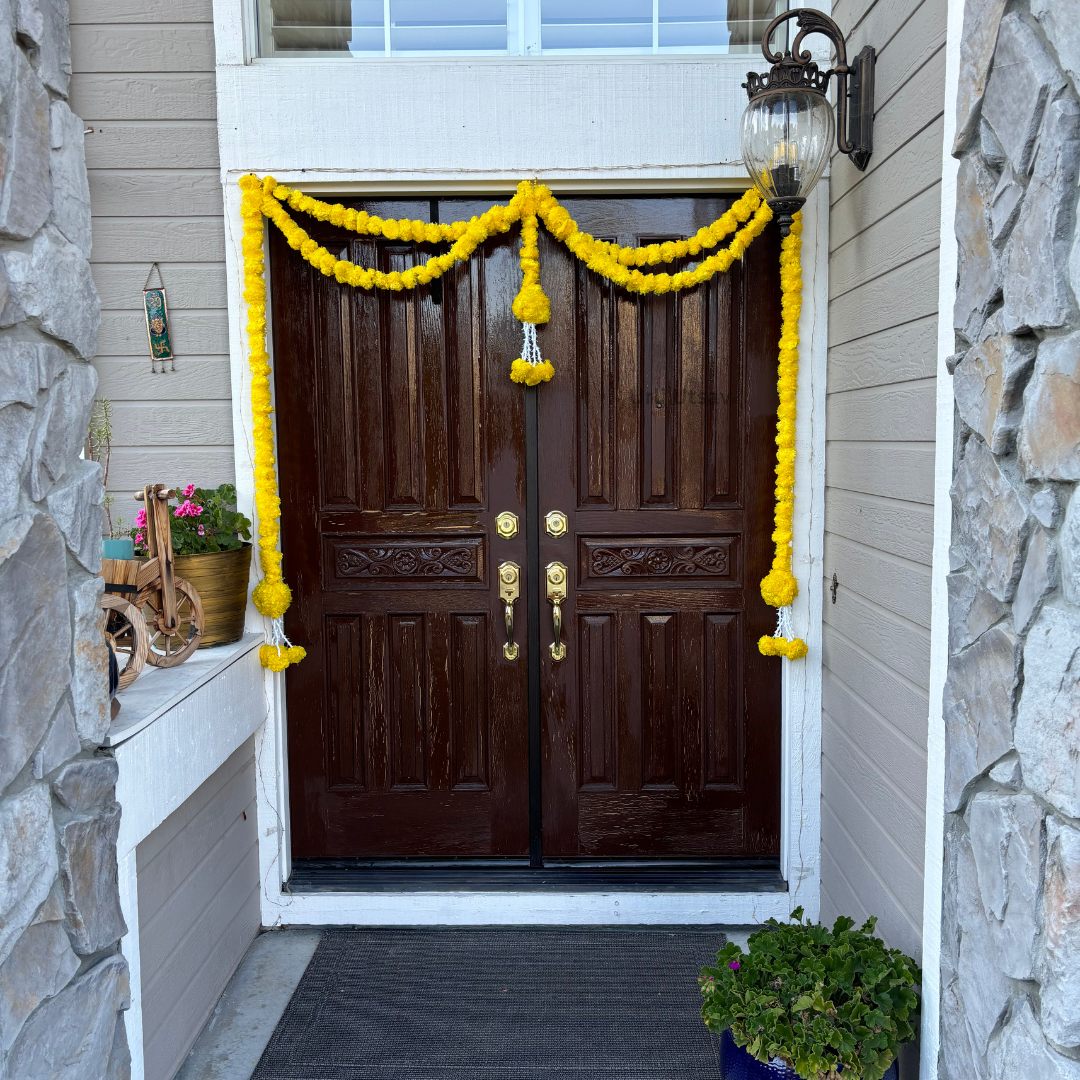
(896, 700)
(147, 192)
(179, 423)
(202, 852)
(900, 413)
(194, 333)
(896, 471)
(177, 937)
(851, 14)
(905, 41)
(141, 11)
(191, 144)
(908, 232)
(126, 240)
(897, 585)
(913, 167)
(198, 286)
(205, 795)
(895, 641)
(915, 106)
(882, 743)
(131, 47)
(907, 293)
(161, 96)
(174, 1034)
(891, 827)
(132, 468)
(841, 863)
(127, 379)
(900, 528)
(896, 355)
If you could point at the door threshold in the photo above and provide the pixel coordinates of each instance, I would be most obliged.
(365, 876)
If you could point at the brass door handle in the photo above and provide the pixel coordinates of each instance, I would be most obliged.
(556, 594)
(509, 585)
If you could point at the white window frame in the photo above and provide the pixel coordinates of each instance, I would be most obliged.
(528, 44)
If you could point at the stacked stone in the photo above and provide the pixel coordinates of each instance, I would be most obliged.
(62, 981)
(1011, 947)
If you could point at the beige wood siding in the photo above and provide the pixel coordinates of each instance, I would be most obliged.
(879, 475)
(198, 909)
(143, 81)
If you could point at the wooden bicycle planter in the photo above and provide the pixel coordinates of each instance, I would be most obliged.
(151, 616)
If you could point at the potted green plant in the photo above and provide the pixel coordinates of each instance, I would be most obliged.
(810, 1002)
(116, 540)
(212, 552)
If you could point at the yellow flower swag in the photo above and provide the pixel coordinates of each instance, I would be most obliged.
(531, 204)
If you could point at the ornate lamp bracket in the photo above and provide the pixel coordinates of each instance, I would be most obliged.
(794, 69)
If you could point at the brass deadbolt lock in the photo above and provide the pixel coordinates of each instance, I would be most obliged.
(555, 523)
(506, 524)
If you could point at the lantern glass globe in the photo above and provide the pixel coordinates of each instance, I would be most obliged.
(786, 138)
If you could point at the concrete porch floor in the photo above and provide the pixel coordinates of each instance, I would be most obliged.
(240, 1026)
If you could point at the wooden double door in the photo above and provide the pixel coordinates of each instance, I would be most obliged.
(402, 441)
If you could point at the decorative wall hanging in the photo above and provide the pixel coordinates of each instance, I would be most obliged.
(531, 204)
(156, 306)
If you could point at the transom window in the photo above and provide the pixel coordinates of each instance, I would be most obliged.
(371, 28)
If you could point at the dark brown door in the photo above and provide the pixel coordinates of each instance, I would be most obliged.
(661, 725)
(402, 439)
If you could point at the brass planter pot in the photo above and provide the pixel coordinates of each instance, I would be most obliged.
(221, 579)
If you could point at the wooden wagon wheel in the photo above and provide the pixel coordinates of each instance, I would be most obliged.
(171, 647)
(125, 629)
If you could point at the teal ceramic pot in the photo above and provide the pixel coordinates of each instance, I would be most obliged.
(737, 1064)
(123, 548)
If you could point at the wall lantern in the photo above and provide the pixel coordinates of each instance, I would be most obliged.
(787, 129)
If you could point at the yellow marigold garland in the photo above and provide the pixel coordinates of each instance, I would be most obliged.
(531, 204)
(271, 596)
(779, 587)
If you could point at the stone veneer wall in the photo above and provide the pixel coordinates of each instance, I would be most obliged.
(1011, 948)
(62, 982)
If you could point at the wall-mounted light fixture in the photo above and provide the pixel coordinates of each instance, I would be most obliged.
(787, 129)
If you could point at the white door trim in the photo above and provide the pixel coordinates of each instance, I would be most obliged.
(311, 156)
(934, 848)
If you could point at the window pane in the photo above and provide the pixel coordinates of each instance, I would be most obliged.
(596, 24)
(735, 25)
(289, 27)
(448, 25)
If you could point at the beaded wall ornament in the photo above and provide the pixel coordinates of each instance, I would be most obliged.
(156, 305)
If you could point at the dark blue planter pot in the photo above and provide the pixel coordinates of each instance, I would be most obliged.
(737, 1064)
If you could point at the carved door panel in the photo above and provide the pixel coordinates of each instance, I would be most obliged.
(661, 726)
(400, 441)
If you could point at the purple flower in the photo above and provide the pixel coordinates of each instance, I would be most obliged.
(734, 965)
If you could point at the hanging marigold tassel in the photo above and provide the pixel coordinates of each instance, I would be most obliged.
(779, 587)
(530, 368)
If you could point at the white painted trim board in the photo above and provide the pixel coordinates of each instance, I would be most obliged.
(934, 845)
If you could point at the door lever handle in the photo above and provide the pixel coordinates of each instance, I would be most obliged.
(509, 585)
(556, 594)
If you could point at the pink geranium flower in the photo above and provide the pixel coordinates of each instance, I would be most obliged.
(140, 518)
(189, 491)
(201, 531)
(139, 538)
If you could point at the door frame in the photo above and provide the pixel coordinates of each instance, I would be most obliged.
(801, 681)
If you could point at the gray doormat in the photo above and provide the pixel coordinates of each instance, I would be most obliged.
(543, 1003)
